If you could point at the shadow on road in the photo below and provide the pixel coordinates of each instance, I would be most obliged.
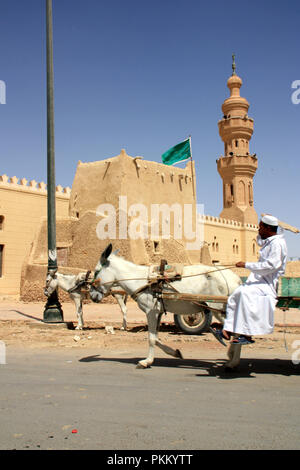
(27, 316)
(166, 328)
(248, 368)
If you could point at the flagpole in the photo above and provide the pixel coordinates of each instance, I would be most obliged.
(190, 139)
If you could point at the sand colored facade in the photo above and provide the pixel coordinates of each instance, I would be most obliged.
(139, 197)
(230, 241)
(23, 204)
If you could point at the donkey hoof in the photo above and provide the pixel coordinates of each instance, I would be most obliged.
(178, 354)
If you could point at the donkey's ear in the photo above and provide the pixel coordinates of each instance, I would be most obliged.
(105, 254)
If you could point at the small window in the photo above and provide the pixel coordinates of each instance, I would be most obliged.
(236, 143)
(156, 246)
(1, 222)
(62, 256)
(1, 259)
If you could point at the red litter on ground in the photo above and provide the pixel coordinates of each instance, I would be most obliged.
(74, 431)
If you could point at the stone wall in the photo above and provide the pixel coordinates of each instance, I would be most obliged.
(22, 205)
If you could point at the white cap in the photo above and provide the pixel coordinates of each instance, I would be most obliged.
(270, 220)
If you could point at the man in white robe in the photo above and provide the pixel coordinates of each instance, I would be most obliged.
(250, 309)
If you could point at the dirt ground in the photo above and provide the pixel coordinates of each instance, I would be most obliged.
(39, 335)
(21, 325)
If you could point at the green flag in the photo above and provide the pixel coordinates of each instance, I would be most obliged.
(177, 153)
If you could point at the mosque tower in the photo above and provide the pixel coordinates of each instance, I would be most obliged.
(237, 167)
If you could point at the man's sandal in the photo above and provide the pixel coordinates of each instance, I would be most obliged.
(242, 340)
(218, 334)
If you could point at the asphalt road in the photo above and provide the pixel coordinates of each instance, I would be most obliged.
(80, 399)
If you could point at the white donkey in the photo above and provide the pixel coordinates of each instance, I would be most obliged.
(113, 270)
(73, 284)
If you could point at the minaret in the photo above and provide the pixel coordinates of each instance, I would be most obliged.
(237, 167)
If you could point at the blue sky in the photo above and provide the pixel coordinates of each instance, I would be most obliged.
(143, 75)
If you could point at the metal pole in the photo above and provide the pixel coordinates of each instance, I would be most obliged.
(53, 312)
(194, 194)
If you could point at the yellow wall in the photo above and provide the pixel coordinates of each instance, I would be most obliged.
(22, 205)
(230, 241)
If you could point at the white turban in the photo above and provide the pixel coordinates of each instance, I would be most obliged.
(270, 220)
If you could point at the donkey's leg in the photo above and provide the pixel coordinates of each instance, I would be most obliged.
(169, 350)
(78, 305)
(121, 299)
(152, 317)
(164, 347)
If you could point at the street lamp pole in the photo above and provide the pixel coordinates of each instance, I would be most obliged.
(53, 312)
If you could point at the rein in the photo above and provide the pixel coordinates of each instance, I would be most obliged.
(97, 281)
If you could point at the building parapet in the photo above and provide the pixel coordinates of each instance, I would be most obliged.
(160, 169)
(225, 222)
(31, 186)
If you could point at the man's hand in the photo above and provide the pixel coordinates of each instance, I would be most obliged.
(240, 264)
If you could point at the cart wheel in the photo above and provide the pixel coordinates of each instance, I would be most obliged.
(195, 323)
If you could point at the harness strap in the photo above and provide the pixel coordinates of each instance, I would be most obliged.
(81, 283)
(157, 287)
(141, 289)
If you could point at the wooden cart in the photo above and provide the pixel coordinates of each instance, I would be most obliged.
(288, 297)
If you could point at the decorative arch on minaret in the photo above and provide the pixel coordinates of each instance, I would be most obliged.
(241, 193)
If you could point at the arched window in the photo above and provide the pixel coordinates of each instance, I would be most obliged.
(1, 259)
(250, 190)
(241, 192)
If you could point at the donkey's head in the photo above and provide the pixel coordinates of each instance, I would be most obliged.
(103, 261)
(51, 282)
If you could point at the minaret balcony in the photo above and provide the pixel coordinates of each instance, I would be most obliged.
(237, 165)
(236, 128)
